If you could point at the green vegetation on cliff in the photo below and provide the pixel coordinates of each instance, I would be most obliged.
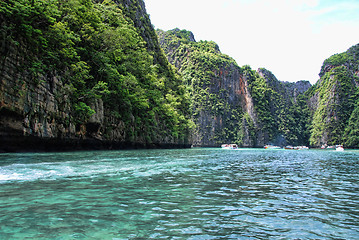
(98, 52)
(335, 117)
(352, 129)
(266, 103)
(221, 92)
(283, 118)
(106, 53)
(209, 76)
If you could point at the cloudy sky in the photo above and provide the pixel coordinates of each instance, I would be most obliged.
(291, 38)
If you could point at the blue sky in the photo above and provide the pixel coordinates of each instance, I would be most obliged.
(291, 38)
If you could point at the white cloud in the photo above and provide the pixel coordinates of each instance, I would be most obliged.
(291, 38)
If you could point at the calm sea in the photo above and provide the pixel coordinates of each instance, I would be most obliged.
(180, 194)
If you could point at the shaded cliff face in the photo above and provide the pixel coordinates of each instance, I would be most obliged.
(334, 101)
(88, 74)
(222, 106)
(28, 108)
(281, 108)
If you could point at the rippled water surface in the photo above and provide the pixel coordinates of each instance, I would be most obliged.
(180, 194)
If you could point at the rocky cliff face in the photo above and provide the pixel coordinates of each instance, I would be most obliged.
(136, 11)
(232, 103)
(221, 102)
(288, 90)
(297, 88)
(227, 110)
(334, 99)
(36, 115)
(37, 109)
(37, 106)
(281, 109)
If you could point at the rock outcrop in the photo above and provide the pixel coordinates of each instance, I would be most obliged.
(37, 106)
(222, 105)
(289, 90)
(31, 109)
(334, 100)
(232, 103)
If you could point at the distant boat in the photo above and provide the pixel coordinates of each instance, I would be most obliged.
(229, 146)
(271, 147)
(339, 148)
(296, 148)
(291, 148)
(303, 148)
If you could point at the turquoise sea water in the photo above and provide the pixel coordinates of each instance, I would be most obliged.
(180, 194)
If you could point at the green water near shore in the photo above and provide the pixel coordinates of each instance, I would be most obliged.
(180, 194)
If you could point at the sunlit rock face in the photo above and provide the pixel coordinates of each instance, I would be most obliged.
(221, 102)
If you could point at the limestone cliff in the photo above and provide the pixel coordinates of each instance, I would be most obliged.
(92, 74)
(222, 106)
(289, 90)
(92, 78)
(232, 103)
(281, 108)
(334, 101)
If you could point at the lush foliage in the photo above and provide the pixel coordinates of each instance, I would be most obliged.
(207, 71)
(283, 119)
(352, 129)
(99, 53)
(218, 119)
(335, 118)
(107, 50)
(266, 103)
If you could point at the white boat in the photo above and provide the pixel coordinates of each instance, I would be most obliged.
(229, 146)
(303, 148)
(296, 148)
(291, 148)
(339, 148)
(271, 147)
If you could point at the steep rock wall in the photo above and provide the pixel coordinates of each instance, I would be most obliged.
(31, 108)
(288, 90)
(334, 99)
(222, 105)
(222, 123)
(36, 109)
(286, 123)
